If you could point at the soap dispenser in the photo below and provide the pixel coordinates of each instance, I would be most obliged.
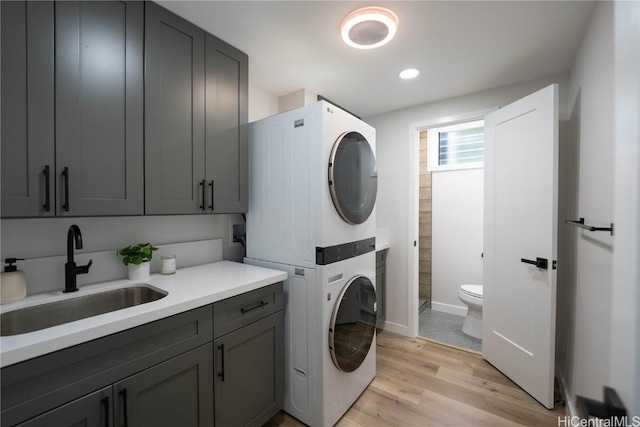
(13, 285)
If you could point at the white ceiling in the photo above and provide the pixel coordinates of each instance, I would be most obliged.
(461, 47)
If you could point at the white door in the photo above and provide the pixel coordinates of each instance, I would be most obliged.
(520, 229)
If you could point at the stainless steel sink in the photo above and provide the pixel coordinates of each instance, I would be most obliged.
(43, 316)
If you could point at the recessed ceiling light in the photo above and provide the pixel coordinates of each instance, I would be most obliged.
(369, 27)
(409, 73)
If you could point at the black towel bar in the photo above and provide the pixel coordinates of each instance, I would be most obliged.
(580, 223)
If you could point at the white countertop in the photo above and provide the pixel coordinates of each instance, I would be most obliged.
(188, 288)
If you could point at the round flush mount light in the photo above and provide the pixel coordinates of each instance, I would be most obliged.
(369, 27)
(409, 73)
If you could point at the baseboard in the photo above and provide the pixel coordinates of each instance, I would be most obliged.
(570, 409)
(397, 328)
(448, 308)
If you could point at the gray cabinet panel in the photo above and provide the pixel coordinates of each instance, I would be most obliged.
(249, 381)
(27, 108)
(99, 107)
(38, 385)
(178, 392)
(381, 286)
(93, 410)
(174, 114)
(226, 126)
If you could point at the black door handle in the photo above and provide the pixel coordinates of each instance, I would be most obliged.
(539, 262)
(221, 373)
(204, 201)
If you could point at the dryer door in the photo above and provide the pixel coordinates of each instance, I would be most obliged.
(353, 177)
(353, 324)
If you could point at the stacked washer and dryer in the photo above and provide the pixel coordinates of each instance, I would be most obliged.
(312, 192)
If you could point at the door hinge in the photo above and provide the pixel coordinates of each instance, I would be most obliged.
(554, 266)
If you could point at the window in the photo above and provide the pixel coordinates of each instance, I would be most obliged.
(459, 146)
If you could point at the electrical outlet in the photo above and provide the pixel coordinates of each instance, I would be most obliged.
(237, 234)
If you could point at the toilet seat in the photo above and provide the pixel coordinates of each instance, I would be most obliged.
(472, 290)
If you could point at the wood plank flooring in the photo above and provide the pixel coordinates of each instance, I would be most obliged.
(421, 383)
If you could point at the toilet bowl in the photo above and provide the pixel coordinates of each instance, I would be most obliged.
(471, 295)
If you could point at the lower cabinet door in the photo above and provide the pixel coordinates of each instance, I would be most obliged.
(250, 373)
(178, 392)
(92, 410)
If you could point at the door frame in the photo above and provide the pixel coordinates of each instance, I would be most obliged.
(414, 202)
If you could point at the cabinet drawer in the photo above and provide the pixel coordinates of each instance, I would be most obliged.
(233, 313)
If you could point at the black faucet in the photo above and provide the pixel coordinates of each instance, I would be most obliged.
(70, 268)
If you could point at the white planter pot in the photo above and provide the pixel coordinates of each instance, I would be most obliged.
(140, 272)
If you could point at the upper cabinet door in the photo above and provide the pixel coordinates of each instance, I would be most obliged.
(174, 114)
(27, 109)
(99, 107)
(226, 127)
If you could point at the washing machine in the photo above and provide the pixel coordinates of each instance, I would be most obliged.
(312, 184)
(330, 322)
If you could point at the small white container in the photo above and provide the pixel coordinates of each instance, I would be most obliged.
(139, 273)
(168, 264)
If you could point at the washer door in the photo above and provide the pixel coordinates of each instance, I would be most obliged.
(353, 324)
(353, 177)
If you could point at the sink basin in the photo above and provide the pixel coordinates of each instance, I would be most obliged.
(43, 316)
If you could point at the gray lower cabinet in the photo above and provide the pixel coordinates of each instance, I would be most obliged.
(174, 393)
(196, 111)
(177, 392)
(80, 152)
(93, 410)
(27, 109)
(381, 286)
(249, 357)
(222, 362)
(144, 376)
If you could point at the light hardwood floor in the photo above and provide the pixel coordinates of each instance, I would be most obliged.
(422, 383)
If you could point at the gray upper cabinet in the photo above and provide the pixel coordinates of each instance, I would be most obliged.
(226, 127)
(174, 114)
(27, 109)
(196, 116)
(99, 107)
(78, 152)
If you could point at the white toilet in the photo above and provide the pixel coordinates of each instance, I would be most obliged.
(471, 295)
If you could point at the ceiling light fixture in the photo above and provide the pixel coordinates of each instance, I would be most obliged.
(409, 73)
(369, 27)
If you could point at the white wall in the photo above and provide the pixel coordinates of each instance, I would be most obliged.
(457, 231)
(625, 298)
(589, 334)
(394, 152)
(261, 104)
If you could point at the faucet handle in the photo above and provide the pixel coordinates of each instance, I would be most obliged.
(85, 268)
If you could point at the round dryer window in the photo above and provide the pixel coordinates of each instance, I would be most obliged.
(353, 324)
(353, 178)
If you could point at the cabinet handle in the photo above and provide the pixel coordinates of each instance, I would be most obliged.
(65, 177)
(123, 394)
(221, 373)
(47, 193)
(255, 307)
(212, 193)
(105, 404)
(203, 195)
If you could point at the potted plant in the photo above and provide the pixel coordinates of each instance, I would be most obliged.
(137, 258)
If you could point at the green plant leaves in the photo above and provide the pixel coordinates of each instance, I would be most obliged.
(137, 254)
